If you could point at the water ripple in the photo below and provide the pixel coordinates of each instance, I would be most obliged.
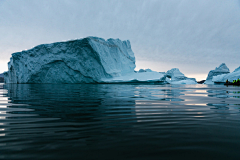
(117, 121)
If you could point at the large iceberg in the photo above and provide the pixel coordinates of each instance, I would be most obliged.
(174, 76)
(222, 69)
(87, 60)
(230, 76)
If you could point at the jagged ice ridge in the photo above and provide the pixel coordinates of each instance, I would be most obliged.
(222, 69)
(230, 76)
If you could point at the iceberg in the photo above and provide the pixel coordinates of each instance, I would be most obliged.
(187, 81)
(144, 70)
(222, 69)
(87, 60)
(141, 77)
(174, 76)
(230, 76)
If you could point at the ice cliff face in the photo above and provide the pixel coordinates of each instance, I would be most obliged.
(222, 69)
(86, 60)
(230, 76)
(174, 76)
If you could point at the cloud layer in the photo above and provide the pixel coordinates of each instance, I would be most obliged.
(195, 36)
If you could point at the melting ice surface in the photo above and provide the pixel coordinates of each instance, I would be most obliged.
(119, 121)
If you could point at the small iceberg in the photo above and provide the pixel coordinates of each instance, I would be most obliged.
(221, 70)
(142, 77)
(174, 76)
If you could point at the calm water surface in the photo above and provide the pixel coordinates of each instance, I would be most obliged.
(114, 121)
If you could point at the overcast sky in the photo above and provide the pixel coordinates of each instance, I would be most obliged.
(192, 35)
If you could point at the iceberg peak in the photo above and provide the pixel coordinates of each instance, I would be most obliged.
(175, 74)
(178, 77)
(222, 69)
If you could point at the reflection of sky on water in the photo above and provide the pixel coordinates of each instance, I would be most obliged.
(3, 102)
(86, 114)
(117, 95)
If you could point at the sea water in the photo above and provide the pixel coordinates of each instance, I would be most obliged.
(119, 121)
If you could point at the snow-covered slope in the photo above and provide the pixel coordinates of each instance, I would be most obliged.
(174, 76)
(230, 76)
(86, 60)
(222, 69)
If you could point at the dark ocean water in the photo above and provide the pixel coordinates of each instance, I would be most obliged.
(119, 121)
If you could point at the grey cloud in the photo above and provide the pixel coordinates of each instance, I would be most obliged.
(195, 36)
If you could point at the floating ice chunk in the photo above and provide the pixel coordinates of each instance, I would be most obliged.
(174, 76)
(144, 70)
(137, 77)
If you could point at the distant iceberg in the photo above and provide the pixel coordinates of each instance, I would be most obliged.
(222, 69)
(144, 70)
(140, 77)
(230, 76)
(174, 76)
